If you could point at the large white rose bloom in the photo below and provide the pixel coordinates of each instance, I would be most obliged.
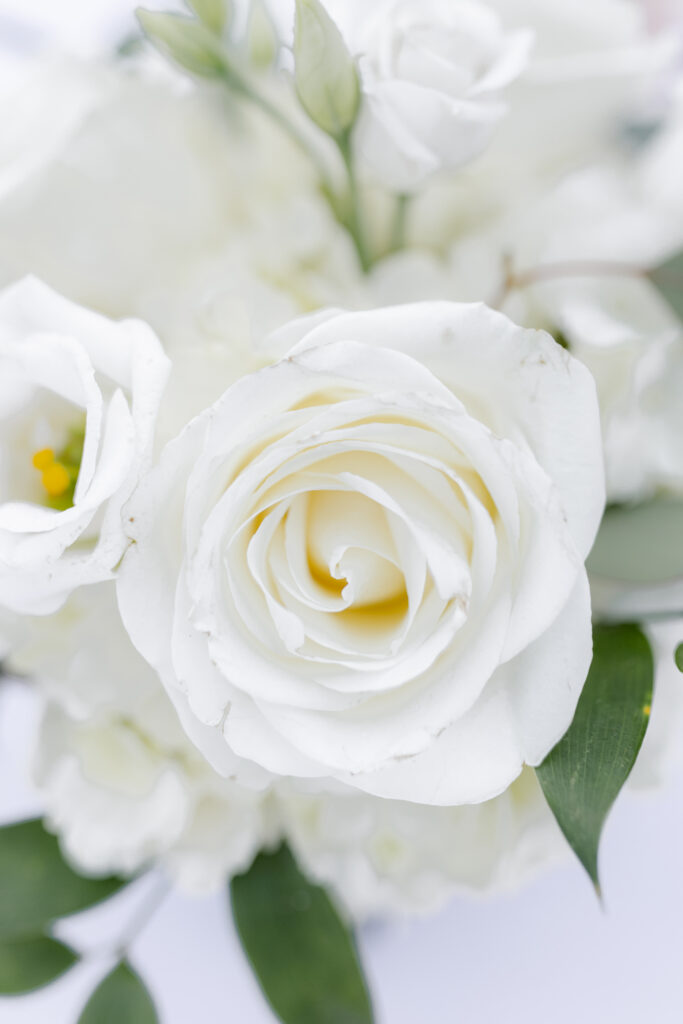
(122, 785)
(432, 78)
(363, 566)
(79, 395)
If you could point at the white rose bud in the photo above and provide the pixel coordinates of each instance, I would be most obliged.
(79, 396)
(432, 76)
(325, 73)
(366, 561)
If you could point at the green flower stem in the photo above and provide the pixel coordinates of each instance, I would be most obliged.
(287, 126)
(398, 227)
(355, 223)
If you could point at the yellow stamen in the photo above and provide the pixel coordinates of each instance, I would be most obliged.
(44, 458)
(56, 479)
(646, 710)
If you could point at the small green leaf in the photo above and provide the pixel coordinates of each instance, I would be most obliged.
(583, 774)
(324, 71)
(186, 41)
(38, 886)
(27, 964)
(215, 14)
(678, 657)
(668, 279)
(302, 954)
(120, 998)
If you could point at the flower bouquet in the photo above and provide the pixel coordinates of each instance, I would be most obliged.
(340, 466)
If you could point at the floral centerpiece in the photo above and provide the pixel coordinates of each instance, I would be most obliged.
(340, 465)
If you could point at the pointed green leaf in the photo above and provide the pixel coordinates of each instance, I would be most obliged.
(324, 71)
(38, 885)
(582, 776)
(186, 41)
(668, 279)
(27, 964)
(678, 657)
(120, 998)
(302, 954)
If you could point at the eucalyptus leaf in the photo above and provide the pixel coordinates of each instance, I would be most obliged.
(38, 885)
(188, 42)
(668, 279)
(583, 774)
(120, 998)
(678, 657)
(302, 954)
(30, 963)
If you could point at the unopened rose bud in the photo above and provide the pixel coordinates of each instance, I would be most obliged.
(325, 72)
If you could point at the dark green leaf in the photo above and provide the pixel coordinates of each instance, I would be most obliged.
(640, 544)
(668, 279)
(120, 998)
(678, 657)
(26, 964)
(38, 886)
(582, 776)
(302, 954)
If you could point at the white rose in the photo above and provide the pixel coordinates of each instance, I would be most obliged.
(432, 76)
(361, 566)
(389, 857)
(79, 396)
(121, 783)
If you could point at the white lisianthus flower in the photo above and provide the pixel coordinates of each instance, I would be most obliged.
(390, 857)
(432, 78)
(366, 562)
(201, 218)
(121, 783)
(79, 396)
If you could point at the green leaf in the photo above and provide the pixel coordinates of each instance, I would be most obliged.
(216, 14)
(640, 544)
(678, 657)
(120, 998)
(324, 71)
(668, 279)
(582, 776)
(186, 41)
(27, 964)
(38, 886)
(302, 954)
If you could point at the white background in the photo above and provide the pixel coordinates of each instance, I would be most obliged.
(546, 955)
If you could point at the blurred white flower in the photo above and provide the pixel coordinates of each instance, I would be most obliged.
(121, 783)
(385, 857)
(79, 395)
(432, 78)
